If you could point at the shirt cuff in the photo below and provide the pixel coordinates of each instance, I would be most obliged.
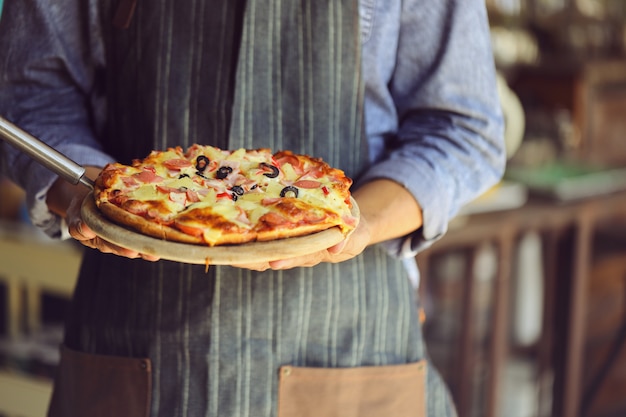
(426, 188)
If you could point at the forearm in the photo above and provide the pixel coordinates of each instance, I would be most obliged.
(390, 210)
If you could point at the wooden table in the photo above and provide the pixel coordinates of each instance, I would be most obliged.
(567, 231)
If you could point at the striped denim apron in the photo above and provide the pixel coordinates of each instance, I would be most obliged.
(279, 74)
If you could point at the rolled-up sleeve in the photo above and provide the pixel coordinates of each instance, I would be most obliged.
(448, 147)
(49, 61)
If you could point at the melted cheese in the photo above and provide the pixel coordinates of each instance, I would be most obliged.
(185, 182)
(288, 172)
(147, 192)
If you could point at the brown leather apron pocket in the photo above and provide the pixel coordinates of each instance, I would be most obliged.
(101, 386)
(394, 390)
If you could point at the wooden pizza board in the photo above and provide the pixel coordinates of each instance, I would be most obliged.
(253, 252)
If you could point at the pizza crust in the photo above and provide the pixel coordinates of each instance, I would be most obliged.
(167, 232)
(145, 226)
(284, 233)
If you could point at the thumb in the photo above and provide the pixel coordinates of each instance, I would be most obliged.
(338, 248)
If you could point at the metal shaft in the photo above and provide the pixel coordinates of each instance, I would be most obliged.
(44, 154)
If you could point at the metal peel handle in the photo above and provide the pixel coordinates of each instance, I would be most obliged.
(44, 154)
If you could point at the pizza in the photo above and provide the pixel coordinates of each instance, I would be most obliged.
(209, 196)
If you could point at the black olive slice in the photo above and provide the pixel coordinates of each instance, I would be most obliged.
(223, 172)
(274, 170)
(183, 176)
(201, 163)
(237, 190)
(289, 189)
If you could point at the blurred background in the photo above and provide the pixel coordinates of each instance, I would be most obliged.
(524, 298)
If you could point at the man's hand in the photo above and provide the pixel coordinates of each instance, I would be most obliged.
(66, 199)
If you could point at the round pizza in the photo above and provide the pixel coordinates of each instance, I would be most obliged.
(206, 195)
